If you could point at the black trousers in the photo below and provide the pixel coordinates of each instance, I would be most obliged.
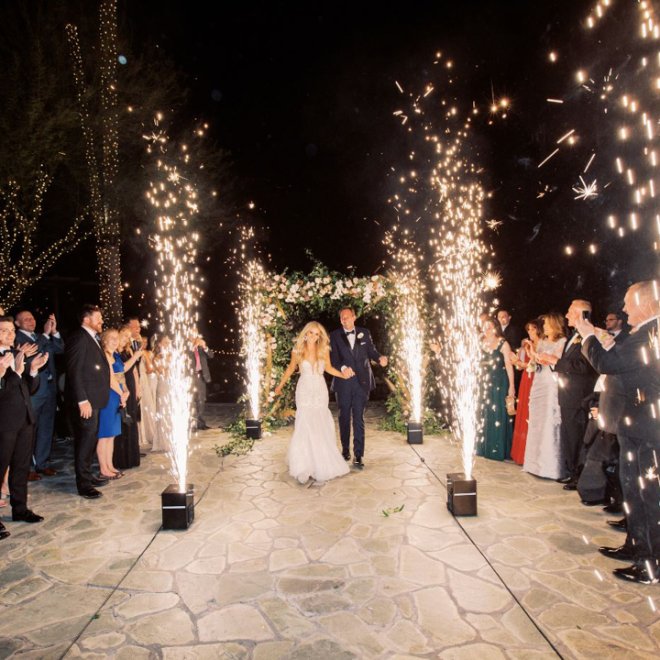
(571, 433)
(639, 476)
(593, 484)
(351, 402)
(200, 397)
(85, 437)
(16, 454)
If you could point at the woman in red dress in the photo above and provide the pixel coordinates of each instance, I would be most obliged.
(523, 361)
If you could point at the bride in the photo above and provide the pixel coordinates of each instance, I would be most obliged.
(313, 450)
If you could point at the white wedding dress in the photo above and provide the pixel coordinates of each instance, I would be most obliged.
(542, 450)
(313, 450)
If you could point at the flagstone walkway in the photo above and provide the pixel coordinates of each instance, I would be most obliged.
(271, 569)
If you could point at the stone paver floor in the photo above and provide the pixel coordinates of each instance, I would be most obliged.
(271, 569)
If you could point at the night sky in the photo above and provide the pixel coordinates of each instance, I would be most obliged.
(302, 97)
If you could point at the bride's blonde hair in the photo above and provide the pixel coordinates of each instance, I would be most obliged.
(323, 345)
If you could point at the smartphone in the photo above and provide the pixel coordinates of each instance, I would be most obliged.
(586, 315)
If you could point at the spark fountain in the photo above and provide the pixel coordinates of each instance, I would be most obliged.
(410, 328)
(174, 199)
(253, 340)
(452, 206)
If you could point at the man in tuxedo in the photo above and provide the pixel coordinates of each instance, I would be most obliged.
(87, 391)
(44, 400)
(200, 355)
(576, 382)
(351, 351)
(633, 365)
(615, 325)
(17, 428)
(511, 333)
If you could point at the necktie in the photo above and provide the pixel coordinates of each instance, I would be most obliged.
(33, 337)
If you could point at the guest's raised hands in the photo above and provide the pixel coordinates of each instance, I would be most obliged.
(5, 361)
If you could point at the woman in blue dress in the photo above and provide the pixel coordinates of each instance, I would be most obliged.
(109, 417)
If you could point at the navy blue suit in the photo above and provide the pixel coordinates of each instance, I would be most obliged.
(44, 400)
(352, 394)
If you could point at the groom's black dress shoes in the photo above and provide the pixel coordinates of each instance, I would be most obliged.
(347, 456)
(358, 462)
(623, 553)
(27, 516)
(565, 480)
(638, 573)
(3, 532)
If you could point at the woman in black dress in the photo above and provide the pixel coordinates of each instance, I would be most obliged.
(127, 445)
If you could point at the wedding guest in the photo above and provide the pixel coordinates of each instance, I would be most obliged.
(87, 391)
(127, 444)
(44, 400)
(510, 332)
(148, 382)
(576, 382)
(615, 324)
(135, 328)
(524, 363)
(200, 355)
(162, 356)
(496, 361)
(542, 449)
(109, 416)
(17, 382)
(638, 428)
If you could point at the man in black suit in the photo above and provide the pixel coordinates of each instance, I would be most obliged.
(17, 427)
(576, 382)
(87, 391)
(351, 350)
(200, 355)
(634, 365)
(511, 333)
(44, 400)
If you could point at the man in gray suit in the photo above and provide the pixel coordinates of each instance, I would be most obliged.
(634, 365)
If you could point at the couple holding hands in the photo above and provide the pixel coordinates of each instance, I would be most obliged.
(345, 355)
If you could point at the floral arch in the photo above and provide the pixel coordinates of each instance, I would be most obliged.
(279, 304)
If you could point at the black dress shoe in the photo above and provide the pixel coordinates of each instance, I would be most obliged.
(347, 457)
(27, 516)
(571, 485)
(90, 494)
(3, 532)
(613, 507)
(592, 503)
(637, 573)
(357, 462)
(618, 524)
(565, 480)
(623, 553)
(99, 482)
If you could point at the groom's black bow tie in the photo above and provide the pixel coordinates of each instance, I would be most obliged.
(350, 332)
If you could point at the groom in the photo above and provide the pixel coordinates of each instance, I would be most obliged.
(352, 349)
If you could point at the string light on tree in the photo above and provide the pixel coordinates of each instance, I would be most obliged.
(102, 175)
(22, 263)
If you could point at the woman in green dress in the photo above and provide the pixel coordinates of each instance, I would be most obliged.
(498, 384)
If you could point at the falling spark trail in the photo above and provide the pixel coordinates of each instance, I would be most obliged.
(543, 162)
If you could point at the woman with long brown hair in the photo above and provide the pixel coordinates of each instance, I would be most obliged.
(313, 451)
(542, 451)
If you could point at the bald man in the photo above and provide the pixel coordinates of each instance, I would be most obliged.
(634, 366)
